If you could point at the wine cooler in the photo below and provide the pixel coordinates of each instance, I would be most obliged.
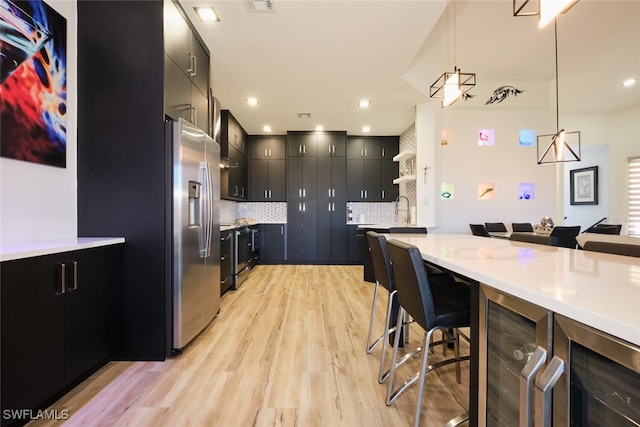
(511, 332)
(538, 368)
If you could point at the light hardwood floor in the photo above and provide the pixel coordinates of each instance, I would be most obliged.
(287, 349)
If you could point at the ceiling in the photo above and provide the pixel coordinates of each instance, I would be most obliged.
(322, 57)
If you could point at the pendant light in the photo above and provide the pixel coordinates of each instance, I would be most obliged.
(559, 149)
(547, 10)
(452, 85)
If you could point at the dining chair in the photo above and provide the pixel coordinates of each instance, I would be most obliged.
(566, 235)
(479, 230)
(440, 307)
(495, 227)
(534, 238)
(613, 229)
(521, 227)
(613, 248)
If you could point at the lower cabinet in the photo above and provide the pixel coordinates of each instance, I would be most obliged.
(226, 260)
(301, 231)
(331, 229)
(58, 317)
(273, 243)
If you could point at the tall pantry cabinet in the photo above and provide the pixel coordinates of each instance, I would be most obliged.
(123, 159)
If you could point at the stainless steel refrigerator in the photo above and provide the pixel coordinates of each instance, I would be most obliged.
(195, 223)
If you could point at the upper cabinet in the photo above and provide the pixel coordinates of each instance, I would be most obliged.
(233, 143)
(186, 69)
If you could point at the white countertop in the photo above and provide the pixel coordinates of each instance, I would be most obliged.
(27, 250)
(597, 289)
(609, 238)
(383, 226)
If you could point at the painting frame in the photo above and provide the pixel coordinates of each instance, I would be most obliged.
(583, 186)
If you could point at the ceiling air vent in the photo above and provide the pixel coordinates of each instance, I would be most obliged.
(260, 6)
(304, 115)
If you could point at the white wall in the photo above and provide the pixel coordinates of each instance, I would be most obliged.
(465, 164)
(37, 202)
(607, 142)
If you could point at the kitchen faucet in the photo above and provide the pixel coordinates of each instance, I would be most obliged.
(397, 202)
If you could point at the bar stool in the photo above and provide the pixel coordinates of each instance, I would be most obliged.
(383, 271)
(439, 307)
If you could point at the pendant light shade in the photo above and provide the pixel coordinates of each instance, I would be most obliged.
(546, 10)
(451, 86)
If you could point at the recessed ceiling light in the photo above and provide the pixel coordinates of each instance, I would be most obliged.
(266, 128)
(319, 128)
(364, 103)
(366, 129)
(252, 101)
(207, 14)
(629, 82)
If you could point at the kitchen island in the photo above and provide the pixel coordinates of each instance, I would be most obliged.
(598, 292)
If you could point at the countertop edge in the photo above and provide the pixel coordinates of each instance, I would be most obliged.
(33, 249)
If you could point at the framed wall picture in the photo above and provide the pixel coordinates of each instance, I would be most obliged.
(583, 185)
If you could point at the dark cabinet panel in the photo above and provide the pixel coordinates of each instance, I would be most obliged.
(331, 228)
(273, 248)
(267, 147)
(267, 169)
(371, 170)
(301, 178)
(58, 319)
(301, 231)
(356, 244)
(331, 144)
(177, 93)
(301, 144)
(226, 260)
(332, 178)
(388, 172)
(233, 180)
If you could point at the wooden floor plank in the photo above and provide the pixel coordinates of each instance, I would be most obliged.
(287, 349)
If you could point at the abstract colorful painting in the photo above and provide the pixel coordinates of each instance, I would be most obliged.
(33, 83)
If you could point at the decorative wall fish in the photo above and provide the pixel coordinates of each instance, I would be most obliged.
(502, 93)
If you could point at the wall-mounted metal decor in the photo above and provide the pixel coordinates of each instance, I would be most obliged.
(502, 93)
(33, 83)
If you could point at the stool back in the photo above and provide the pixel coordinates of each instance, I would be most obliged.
(382, 268)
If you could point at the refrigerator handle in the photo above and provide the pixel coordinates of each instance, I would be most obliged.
(205, 211)
(527, 376)
(209, 209)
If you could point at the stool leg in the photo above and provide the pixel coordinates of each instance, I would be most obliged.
(382, 375)
(456, 350)
(396, 344)
(423, 371)
(370, 346)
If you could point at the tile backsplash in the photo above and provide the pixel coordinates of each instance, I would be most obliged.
(276, 212)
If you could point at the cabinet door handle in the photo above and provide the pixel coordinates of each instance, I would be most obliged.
(304, 149)
(270, 152)
(299, 207)
(191, 69)
(62, 278)
(383, 152)
(265, 194)
(544, 387)
(328, 207)
(270, 196)
(304, 192)
(333, 207)
(226, 279)
(365, 194)
(362, 152)
(266, 152)
(304, 207)
(329, 192)
(73, 278)
(241, 191)
(223, 257)
(365, 152)
(299, 192)
(282, 230)
(333, 192)
(299, 149)
(383, 194)
(527, 376)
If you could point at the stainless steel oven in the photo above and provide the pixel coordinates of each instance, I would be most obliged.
(243, 253)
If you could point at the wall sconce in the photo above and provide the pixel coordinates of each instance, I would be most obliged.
(547, 9)
(562, 151)
(452, 86)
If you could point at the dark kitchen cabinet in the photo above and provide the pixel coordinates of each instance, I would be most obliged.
(331, 182)
(371, 169)
(273, 243)
(233, 141)
(302, 178)
(301, 144)
(356, 244)
(186, 77)
(331, 144)
(301, 231)
(267, 169)
(226, 260)
(59, 321)
(331, 231)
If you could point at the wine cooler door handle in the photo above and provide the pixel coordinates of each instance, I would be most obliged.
(527, 375)
(544, 388)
